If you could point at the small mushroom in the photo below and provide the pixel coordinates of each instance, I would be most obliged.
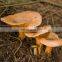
(40, 31)
(51, 36)
(51, 40)
(45, 36)
(26, 20)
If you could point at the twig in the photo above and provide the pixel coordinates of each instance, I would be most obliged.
(38, 1)
(52, 3)
(3, 11)
(20, 4)
(16, 38)
(18, 48)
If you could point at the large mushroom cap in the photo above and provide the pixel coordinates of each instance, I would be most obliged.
(30, 18)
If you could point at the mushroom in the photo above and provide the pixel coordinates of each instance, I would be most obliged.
(40, 31)
(27, 20)
(46, 37)
(50, 40)
(30, 20)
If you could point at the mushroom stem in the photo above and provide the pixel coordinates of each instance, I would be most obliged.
(39, 47)
(35, 49)
(21, 35)
(48, 50)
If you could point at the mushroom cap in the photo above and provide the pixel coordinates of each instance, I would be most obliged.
(50, 43)
(41, 30)
(30, 18)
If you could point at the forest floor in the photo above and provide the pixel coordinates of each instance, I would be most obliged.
(11, 47)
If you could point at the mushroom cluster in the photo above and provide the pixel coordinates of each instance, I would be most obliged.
(30, 21)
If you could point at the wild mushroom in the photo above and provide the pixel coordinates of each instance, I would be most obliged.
(30, 20)
(46, 37)
(50, 40)
(50, 43)
(26, 19)
(41, 31)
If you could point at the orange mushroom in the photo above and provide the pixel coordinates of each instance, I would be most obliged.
(26, 17)
(29, 20)
(50, 40)
(50, 43)
(41, 31)
(26, 20)
(46, 37)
